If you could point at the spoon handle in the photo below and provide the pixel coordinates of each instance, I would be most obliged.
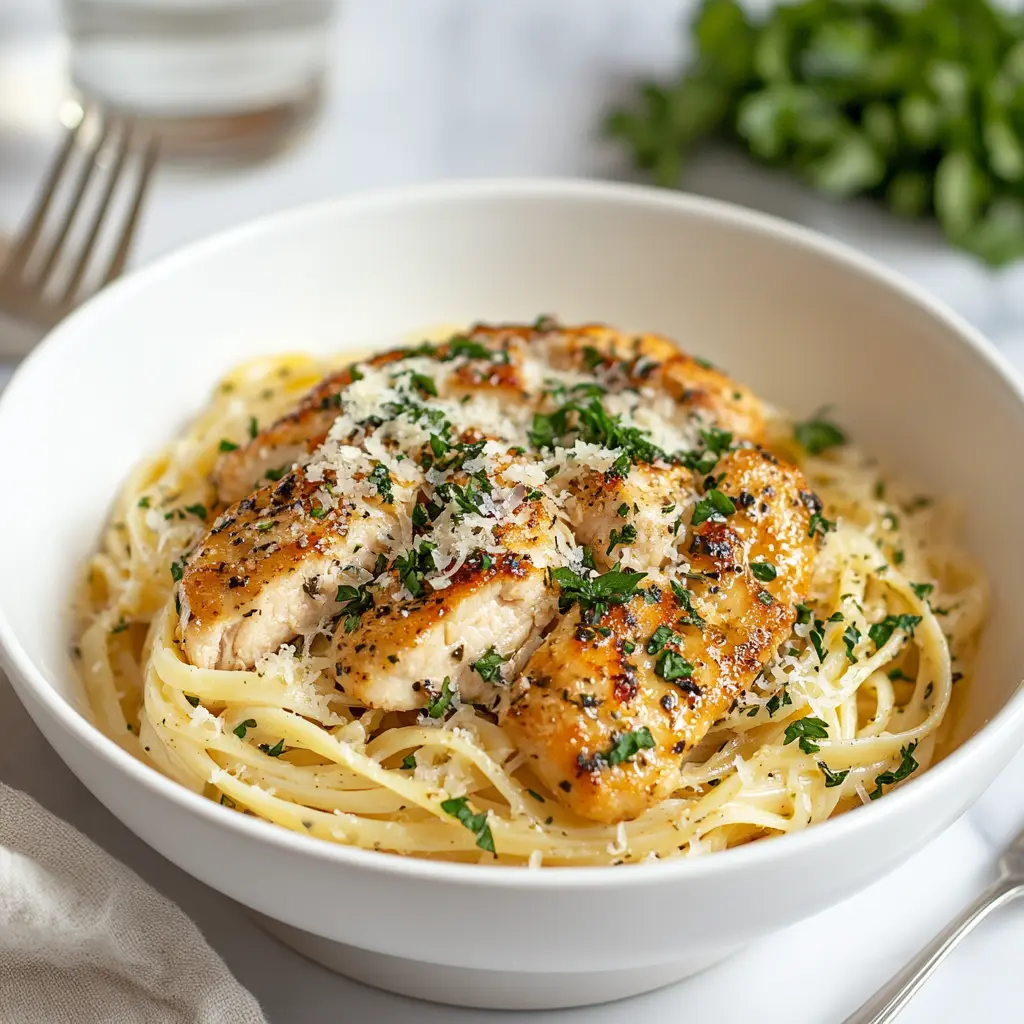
(892, 998)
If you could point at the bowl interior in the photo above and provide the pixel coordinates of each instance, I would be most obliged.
(803, 324)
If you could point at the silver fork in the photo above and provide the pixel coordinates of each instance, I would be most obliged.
(890, 1000)
(52, 265)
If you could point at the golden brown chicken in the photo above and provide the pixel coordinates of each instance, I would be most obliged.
(608, 707)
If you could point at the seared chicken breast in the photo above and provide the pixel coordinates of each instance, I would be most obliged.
(271, 565)
(563, 525)
(471, 637)
(609, 706)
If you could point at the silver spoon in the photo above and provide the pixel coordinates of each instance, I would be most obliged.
(893, 997)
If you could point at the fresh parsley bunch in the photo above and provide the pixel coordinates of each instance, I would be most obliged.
(918, 103)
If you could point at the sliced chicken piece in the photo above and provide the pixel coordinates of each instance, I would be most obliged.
(637, 519)
(287, 441)
(271, 565)
(495, 609)
(607, 720)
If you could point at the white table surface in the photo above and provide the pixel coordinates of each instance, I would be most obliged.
(428, 89)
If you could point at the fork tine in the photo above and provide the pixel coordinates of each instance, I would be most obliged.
(84, 176)
(124, 243)
(26, 241)
(123, 145)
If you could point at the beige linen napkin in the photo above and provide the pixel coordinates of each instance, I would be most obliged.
(83, 940)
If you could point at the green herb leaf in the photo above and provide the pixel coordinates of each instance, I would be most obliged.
(242, 727)
(714, 505)
(851, 637)
(832, 779)
(881, 631)
(273, 751)
(488, 667)
(381, 480)
(672, 665)
(458, 807)
(805, 730)
(907, 767)
(227, 446)
(922, 589)
(595, 594)
(764, 571)
(440, 702)
(817, 435)
(629, 744)
(409, 762)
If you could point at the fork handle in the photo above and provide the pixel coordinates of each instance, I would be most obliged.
(892, 998)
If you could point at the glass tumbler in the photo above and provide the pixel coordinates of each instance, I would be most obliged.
(227, 79)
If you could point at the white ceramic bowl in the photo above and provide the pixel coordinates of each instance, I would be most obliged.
(805, 322)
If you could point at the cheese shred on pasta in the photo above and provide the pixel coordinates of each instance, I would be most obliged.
(280, 742)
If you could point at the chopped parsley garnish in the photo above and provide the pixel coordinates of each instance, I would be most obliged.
(318, 512)
(381, 480)
(595, 595)
(227, 446)
(803, 614)
(177, 570)
(354, 602)
(896, 674)
(199, 511)
(460, 345)
(623, 510)
(273, 751)
(593, 424)
(672, 665)
(807, 729)
(907, 767)
(661, 636)
(276, 474)
(144, 501)
(881, 631)
(714, 505)
(851, 637)
(764, 571)
(536, 796)
(819, 525)
(764, 597)
(592, 359)
(458, 807)
(409, 762)
(628, 745)
(489, 666)
(922, 589)
(420, 518)
(413, 565)
(240, 729)
(778, 700)
(818, 639)
(192, 699)
(832, 779)
(122, 625)
(424, 384)
(817, 435)
(703, 460)
(685, 599)
(622, 537)
(439, 703)
(254, 428)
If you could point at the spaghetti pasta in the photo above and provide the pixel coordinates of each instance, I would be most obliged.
(890, 626)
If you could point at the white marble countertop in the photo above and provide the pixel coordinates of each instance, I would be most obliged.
(427, 89)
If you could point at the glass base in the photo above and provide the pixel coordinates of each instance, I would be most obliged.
(243, 137)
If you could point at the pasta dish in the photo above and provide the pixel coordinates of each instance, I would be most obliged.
(525, 594)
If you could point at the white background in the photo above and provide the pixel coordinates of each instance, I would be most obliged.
(428, 89)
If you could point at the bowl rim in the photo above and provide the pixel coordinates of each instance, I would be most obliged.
(751, 856)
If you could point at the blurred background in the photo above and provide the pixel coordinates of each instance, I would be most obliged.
(262, 104)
